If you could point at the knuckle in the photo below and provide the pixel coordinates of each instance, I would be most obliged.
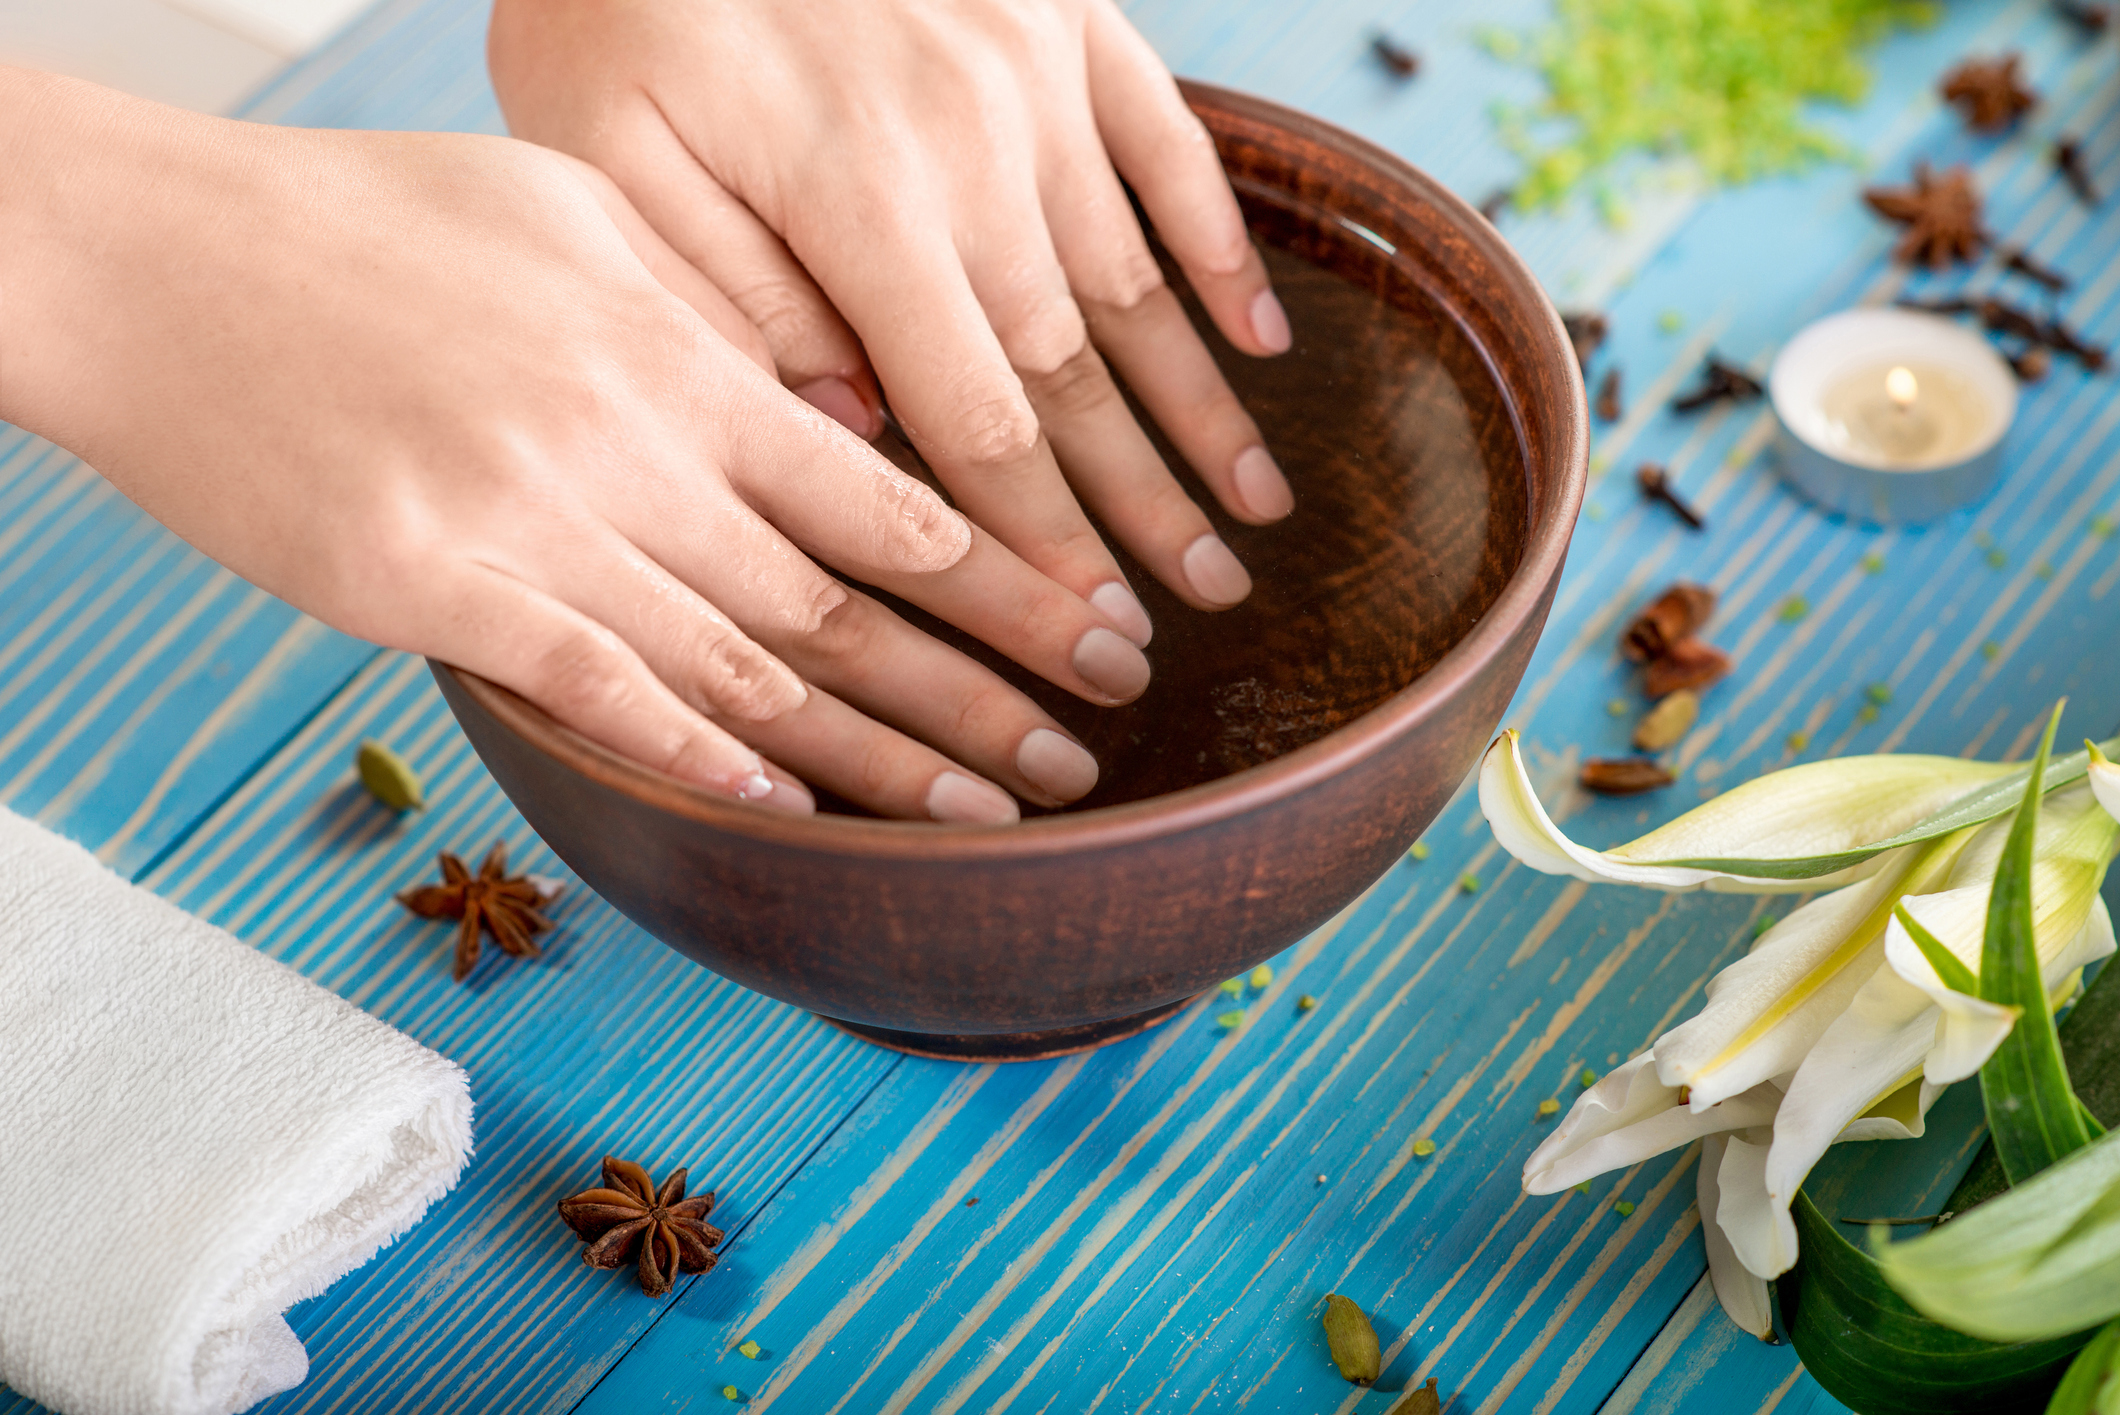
(996, 434)
(1079, 385)
(840, 641)
(581, 676)
(1048, 337)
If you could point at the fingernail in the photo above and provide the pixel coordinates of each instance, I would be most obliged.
(1055, 765)
(962, 800)
(1269, 323)
(788, 794)
(1117, 603)
(1260, 485)
(1111, 665)
(837, 399)
(755, 787)
(1214, 573)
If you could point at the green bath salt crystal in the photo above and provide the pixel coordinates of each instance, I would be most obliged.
(751, 1349)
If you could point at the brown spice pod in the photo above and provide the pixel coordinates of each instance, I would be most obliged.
(1624, 776)
(1674, 615)
(1689, 663)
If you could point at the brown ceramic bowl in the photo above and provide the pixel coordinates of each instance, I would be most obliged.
(1432, 423)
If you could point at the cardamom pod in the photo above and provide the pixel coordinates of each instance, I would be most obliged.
(1426, 1400)
(389, 778)
(1352, 1340)
(1668, 722)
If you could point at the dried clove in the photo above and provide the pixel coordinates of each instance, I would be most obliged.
(1586, 330)
(1608, 406)
(1689, 663)
(1655, 483)
(1401, 61)
(2068, 160)
(2033, 364)
(1719, 381)
(1496, 202)
(1955, 304)
(2021, 261)
(1623, 776)
(2008, 319)
(2063, 340)
(1675, 615)
(2091, 19)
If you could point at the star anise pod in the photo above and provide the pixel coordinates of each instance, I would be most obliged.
(1941, 214)
(490, 901)
(629, 1215)
(1987, 92)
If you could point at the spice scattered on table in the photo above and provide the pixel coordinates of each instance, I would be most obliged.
(1583, 1188)
(2068, 161)
(1676, 614)
(1468, 883)
(1588, 1078)
(1306, 1003)
(1617, 707)
(2022, 262)
(2031, 364)
(1655, 484)
(1867, 713)
(1792, 609)
(1667, 724)
(1991, 650)
(1761, 927)
(1233, 987)
(1548, 1108)
(629, 1216)
(1872, 564)
(753, 1350)
(2091, 19)
(1586, 331)
(389, 777)
(1670, 321)
(1998, 558)
(1879, 693)
(1623, 1208)
(1231, 1021)
(1402, 62)
(1719, 381)
(1352, 1341)
(1689, 663)
(1941, 216)
(1988, 93)
(1261, 976)
(1423, 1147)
(731, 1393)
(508, 908)
(1496, 202)
(1418, 850)
(2103, 526)
(1607, 406)
(1425, 1401)
(2062, 339)
(1799, 740)
(1623, 776)
(2044, 569)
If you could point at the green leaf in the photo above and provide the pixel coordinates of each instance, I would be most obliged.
(2032, 1114)
(2092, 1385)
(1981, 804)
(1878, 1356)
(2090, 1045)
(1954, 974)
(2038, 1262)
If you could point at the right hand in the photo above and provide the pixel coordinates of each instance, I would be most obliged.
(450, 394)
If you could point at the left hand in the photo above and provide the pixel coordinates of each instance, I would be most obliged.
(947, 174)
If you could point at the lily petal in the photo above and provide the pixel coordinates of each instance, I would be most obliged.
(1760, 1232)
(1628, 1117)
(1744, 1297)
(2105, 780)
(1818, 808)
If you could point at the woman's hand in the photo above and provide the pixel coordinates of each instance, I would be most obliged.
(438, 392)
(942, 171)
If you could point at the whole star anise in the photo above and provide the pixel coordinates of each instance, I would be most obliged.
(1941, 214)
(1987, 92)
(630, 1215)
(506, 908)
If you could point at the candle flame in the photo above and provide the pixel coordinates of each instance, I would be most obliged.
(1900, 386)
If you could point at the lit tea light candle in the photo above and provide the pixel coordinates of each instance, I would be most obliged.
(1890, 414)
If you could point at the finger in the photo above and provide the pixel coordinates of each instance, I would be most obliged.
(1167, 156)
(816, 352)
(587, 678)
(875, 661)
(1138, 323)
(871, 765)
(963, 405)
(670, 269)
(994, 596)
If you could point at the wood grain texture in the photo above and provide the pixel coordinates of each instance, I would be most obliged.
(1151, 1233)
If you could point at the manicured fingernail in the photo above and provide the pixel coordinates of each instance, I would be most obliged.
(965, 801)
(1214, 573)
(1055, 765)
(1260, 485)
(1117, 603)
(755, 787)
(837, 399)
(1269, 323)
(1111, 665)
(788, 794)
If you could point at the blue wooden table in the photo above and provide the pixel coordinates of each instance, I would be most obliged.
(1152, 1227)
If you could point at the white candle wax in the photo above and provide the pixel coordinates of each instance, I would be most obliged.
(1905, 416)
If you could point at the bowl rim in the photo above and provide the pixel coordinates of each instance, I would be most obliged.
(1211, 802)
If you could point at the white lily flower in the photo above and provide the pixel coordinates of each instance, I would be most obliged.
(1819, 808)
(2105, 780)
(1745, 1297)
(1628, 1117)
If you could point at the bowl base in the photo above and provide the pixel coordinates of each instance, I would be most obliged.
(1012, 1046)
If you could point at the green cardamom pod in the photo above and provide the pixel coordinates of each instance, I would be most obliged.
(389, 778)
(1353, 1341)
(1425, 1401)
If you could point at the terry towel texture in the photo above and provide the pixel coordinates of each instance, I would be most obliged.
(192, 1138)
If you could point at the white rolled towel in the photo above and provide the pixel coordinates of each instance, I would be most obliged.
(193, 1137)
